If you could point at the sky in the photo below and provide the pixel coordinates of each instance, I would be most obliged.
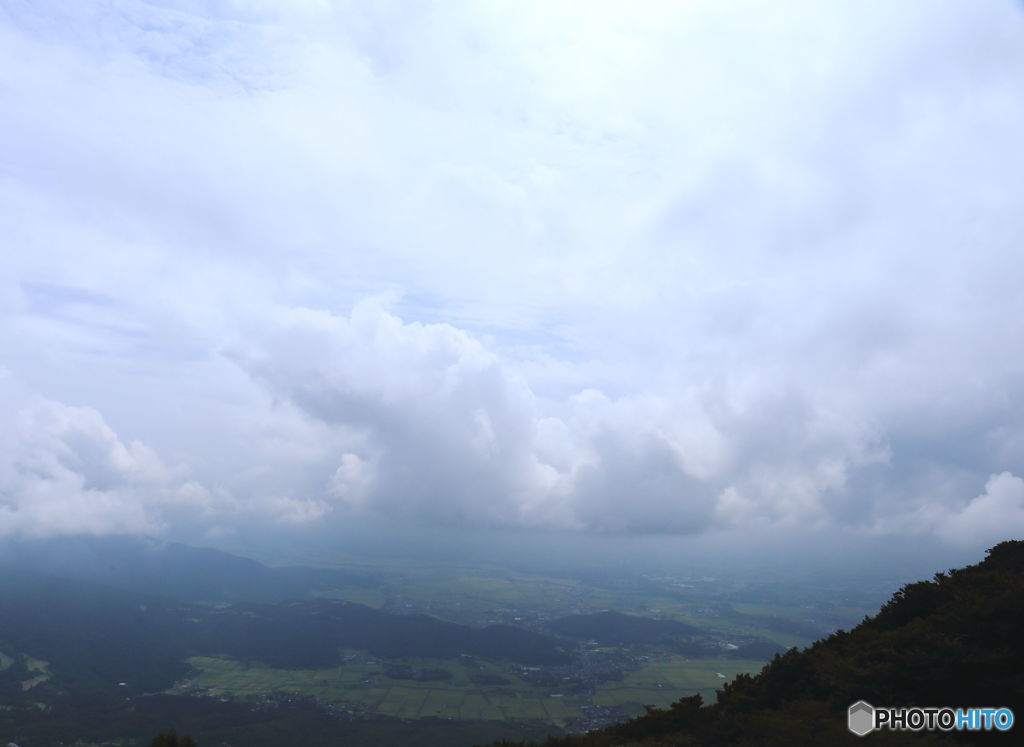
(689, 269)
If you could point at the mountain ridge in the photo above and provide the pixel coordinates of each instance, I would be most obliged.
(171, 569)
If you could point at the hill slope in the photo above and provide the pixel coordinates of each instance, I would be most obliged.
(953, 641)
(169, 569)
(94, 638)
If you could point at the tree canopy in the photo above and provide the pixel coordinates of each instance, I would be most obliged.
(171, 739)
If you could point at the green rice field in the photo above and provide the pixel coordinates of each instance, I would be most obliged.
(666, 680)
(361, 685)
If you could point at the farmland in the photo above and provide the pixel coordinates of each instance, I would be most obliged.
(730, 606)
(467, 653)
(608, 681)
(40, 671)
(362, 686)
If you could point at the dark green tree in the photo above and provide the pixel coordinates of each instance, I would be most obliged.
(171, 739)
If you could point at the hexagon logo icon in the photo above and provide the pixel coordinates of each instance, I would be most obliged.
(861, 718)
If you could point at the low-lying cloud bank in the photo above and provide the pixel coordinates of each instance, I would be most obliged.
(438, 428)
(423, 424)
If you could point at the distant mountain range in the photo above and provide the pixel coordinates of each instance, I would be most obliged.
(170, 569)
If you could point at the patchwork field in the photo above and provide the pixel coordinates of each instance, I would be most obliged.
(40, 668)
(666, 680)
(480, 595)
(361, 685)
(478, 689)
(693, 614)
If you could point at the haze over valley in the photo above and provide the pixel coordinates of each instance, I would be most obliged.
(451, 372)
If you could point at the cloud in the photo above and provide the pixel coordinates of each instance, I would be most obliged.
(994, 515)
(433, 426)
(438, 428)
(683, 268)
(63, 470)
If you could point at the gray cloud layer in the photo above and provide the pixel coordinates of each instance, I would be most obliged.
(681, 268)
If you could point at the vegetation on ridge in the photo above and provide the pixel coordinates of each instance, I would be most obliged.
(953, 641)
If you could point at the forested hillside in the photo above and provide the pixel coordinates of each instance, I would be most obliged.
(952, 641)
